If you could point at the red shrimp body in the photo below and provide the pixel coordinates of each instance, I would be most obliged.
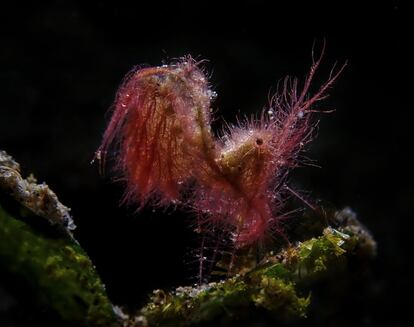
(161, 129)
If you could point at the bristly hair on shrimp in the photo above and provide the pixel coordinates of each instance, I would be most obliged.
(164, 148)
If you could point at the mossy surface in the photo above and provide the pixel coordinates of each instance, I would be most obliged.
(66, 283)
(38, 249)
(278, 284)
(56, 268)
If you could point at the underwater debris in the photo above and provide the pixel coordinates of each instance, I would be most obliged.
(348, 218)
(37, 197)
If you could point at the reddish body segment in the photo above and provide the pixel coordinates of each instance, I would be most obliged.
(161, 126)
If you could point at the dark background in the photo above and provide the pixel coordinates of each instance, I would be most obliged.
(62, 61)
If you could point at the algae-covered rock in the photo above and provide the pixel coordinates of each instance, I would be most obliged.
(37, 248)
(279, 284)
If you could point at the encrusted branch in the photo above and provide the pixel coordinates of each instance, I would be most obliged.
(39, 252)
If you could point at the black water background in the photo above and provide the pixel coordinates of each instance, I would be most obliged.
(60, 65)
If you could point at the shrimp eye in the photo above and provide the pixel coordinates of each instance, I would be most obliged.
(259, 141)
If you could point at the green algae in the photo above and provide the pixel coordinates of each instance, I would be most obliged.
(278, 284)
(38, 248)
(57, 269)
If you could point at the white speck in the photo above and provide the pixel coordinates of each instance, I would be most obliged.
(118, 311)
(71, 225)
(212, 94)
